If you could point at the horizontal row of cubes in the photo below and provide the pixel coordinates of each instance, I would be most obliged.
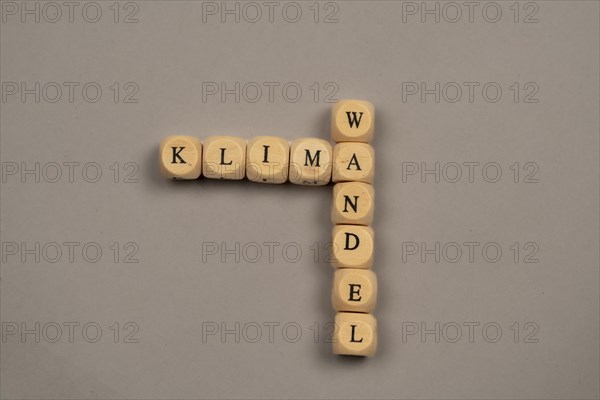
(266, 159)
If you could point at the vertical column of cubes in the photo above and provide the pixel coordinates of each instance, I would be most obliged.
(354, 292)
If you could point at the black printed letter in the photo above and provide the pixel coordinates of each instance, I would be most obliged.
(176, 155)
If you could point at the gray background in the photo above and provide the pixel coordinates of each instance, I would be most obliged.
(176, 290)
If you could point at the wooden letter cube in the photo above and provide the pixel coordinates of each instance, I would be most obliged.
(310, 162)
(352, 246)
(352, 121)
(180, 157)
(354, 290)
(224, 157)
(355, 334)
(268, 159)
(353, 203)
(353, 162)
